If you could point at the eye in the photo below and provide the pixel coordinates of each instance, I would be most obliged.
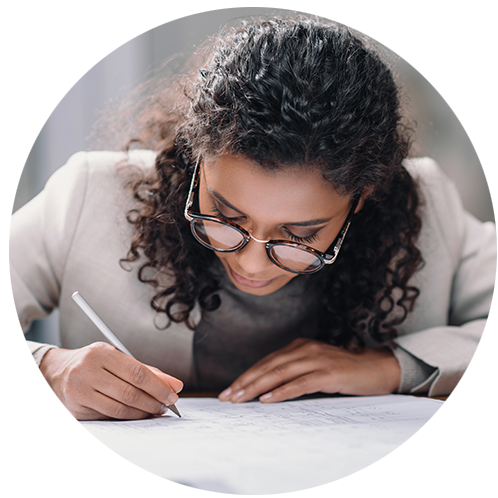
(216, 212)
(302, 240)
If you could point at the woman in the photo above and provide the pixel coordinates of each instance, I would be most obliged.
(275, 242)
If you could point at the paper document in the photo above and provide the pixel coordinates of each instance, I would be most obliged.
(253, 448)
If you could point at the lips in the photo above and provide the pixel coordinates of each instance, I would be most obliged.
(250, 283)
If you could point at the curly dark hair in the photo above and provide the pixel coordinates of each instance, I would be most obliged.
(283, 93)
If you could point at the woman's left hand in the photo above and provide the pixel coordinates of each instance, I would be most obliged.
(307, 366)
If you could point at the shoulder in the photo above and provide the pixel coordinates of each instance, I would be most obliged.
(445, 222)
(104, 163)
(103, 160)
(98, 171)
(89, 183)
(428, 174)
(441, 206)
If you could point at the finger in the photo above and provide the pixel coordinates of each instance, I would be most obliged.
(291, 352)
(113, 409)
(127, 394)
(305, 384)
(281, 374)
(137, 374)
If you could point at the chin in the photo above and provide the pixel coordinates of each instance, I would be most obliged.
(259, 291)
(257, 287)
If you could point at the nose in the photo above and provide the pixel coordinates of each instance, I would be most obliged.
(258, 240)
(253, 258)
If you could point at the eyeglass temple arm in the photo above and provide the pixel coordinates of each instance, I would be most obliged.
(190, 197)
(330, 258)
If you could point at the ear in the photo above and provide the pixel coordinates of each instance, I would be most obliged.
(364, 195)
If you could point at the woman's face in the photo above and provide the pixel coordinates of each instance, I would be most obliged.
(294, 204)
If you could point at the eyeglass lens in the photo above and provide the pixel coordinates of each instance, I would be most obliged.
(219, 236)
(295, 259)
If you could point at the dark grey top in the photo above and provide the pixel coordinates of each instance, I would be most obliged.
(246, 328)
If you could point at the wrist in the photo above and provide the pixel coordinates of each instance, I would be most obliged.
(48, 364)
(40, 352)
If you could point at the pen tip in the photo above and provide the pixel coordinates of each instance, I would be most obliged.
(174, 409)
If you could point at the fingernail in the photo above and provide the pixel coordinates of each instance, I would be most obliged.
(172, 398)
(265, 396)
(226, 393)
(164, 409)
(238, 394)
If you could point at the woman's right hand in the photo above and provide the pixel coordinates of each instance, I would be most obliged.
(100, 382)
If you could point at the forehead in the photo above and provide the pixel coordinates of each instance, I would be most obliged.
(294, 193)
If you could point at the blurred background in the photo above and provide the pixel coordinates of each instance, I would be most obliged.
(439, 133)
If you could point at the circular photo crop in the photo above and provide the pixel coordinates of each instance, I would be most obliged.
(253, 251)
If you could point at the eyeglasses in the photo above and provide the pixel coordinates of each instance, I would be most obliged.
(222, 235)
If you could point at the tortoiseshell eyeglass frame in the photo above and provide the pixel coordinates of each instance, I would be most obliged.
(325, 259)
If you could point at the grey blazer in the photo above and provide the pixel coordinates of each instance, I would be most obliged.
(73, 234)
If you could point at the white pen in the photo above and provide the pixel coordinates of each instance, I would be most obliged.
(108, 333)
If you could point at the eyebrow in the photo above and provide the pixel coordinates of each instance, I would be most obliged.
(318, 221)
(309, 223)
(223, 200)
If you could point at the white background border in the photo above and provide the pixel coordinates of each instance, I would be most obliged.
(46, 47)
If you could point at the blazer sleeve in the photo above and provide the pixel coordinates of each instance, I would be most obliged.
(40, 239)
(466, 258)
